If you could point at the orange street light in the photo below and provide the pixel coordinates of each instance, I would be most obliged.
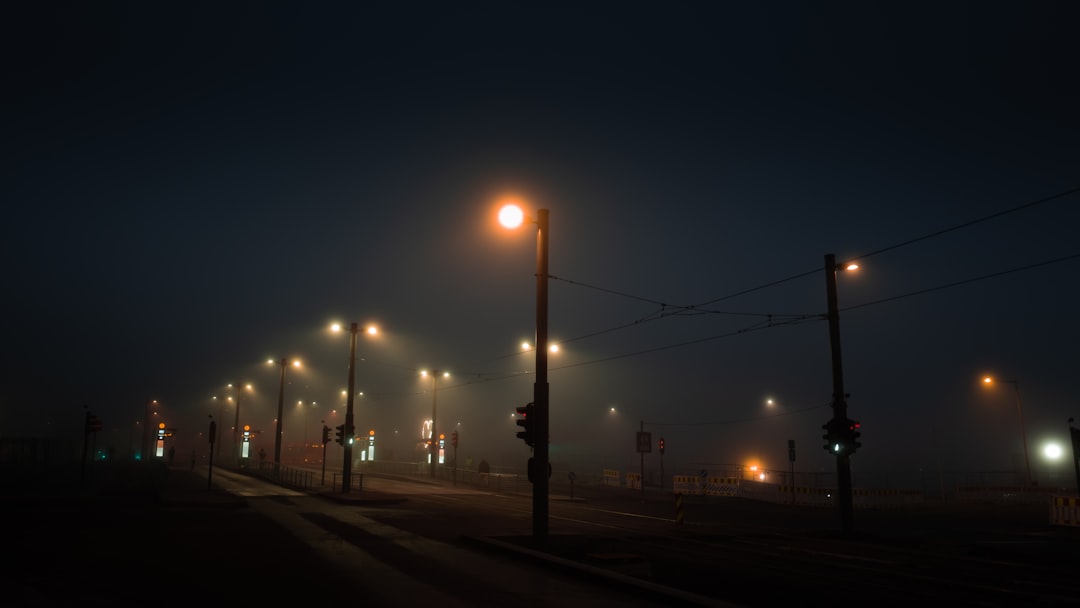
(989, 381)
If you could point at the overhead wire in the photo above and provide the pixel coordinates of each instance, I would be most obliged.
(788, 319)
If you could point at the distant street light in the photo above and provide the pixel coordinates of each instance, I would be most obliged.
(989, 381)
(434, 421)
(350, 433)
(511, 216)
(283, 363)
(236, 424)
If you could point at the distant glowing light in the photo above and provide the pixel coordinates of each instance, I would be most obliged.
(511, 216)
(851, 266)
(554, 348)
(1052, 451)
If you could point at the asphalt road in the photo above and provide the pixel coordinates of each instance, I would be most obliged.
(147, 535)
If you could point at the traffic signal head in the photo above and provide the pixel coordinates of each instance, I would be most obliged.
(853, 436)
(325, 435)
(340, 435)
(526, 434)
(661, 446)
(842, 436)
(453, 439)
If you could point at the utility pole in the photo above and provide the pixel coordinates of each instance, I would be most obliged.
(839, 403)
(347, 439)
(236, 425)
(540, 387)
(280, 413)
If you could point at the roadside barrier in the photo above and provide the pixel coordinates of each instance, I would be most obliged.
(611, 478)
(1064, 511)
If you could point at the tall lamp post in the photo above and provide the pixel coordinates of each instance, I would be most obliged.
(236, 423)
(283, 363)
(434, 411)
(346, 469)
(511, 216)
(1020, 413)
(838, 430)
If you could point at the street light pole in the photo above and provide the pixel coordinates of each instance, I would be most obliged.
(839, 404)
(280, 412)
(434, 420)
(1023, 433)
(347, 440)
(540, 388)
(236, 425)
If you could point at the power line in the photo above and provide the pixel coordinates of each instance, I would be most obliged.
(748, 329)
(965, 281)
(968, 224)
(696, 308)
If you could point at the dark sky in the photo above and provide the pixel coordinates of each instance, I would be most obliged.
(193, 188)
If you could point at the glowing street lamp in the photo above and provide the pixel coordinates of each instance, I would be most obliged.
(837, 428)
(989, 381)
(236, 424)
(346, 469)
(511, 216)
(434, 426)
(282, 363)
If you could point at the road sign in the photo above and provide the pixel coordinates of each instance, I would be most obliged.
(644, 442)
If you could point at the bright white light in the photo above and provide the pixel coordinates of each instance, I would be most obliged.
(554, 348)
(1052, 451)
(511, 216)
(335, 327)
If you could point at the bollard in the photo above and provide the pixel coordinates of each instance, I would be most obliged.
(678, 509)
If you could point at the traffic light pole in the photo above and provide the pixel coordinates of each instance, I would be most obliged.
(540, 388)
(839, 404)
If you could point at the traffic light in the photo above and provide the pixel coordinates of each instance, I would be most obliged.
(661, 446)
(853, 436)
(325, 434)
(526, 434)
(842, 436)
(832, 440)
(453, 439)
(340, 437)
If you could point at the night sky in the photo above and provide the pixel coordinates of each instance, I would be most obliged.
(193, 188)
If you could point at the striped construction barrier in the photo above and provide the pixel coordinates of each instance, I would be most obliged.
(611, 478)
(721, 486)
(708, 486)
(633, 481)
(1064, 511)
(687, 484)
